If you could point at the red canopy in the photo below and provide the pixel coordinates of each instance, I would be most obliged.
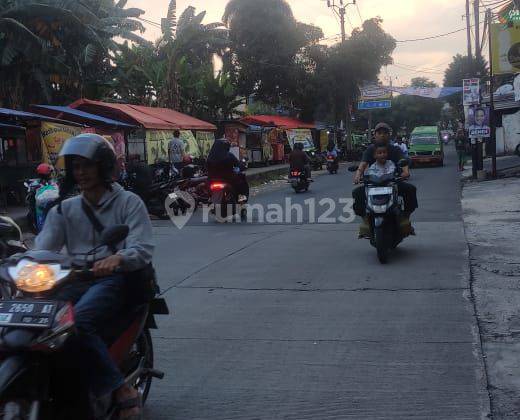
(276, 121)
(148, 117)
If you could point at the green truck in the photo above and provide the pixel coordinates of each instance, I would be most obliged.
(426, 146)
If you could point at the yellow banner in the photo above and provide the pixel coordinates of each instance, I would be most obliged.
(300, 136)
(324, 140)
(505, 44)
(157, 145)
(53, 136)
(205, 140)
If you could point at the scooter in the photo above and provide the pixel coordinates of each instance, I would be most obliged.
(35, 328)
(332, 165)
(384, 210)
(41, 197)
(298, 180)
(224, 200)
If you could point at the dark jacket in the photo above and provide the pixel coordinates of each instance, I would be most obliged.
(221, 161)
(299, 159)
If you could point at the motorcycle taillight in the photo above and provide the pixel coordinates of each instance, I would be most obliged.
(217, 186)
(295, 173)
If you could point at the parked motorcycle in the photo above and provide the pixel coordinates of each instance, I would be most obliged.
(41, 197)
(195, 183)
(384, 210)
(298, 180)
(332, 165)
(316, 160)
(35, 328)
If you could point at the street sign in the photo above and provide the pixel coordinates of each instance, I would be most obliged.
(385, 104)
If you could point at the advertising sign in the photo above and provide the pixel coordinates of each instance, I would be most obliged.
(205, 140)
(300, 136)
(53, 136)
(505, 47)
(471, 92)
(157, 145)
(374, 92)
(478, 122)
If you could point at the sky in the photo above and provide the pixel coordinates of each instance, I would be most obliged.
(403, 19)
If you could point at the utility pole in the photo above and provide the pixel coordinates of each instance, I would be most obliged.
(339, 7)
(476, 9)
(468, 29)
(492, 122)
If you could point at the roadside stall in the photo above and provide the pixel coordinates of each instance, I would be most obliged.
(149, 142)
(283, 132)
(22, 148)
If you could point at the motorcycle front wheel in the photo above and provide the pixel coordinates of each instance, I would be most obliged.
(144, 347)
(381, 244)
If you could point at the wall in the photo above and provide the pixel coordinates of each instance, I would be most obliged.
(511, 124)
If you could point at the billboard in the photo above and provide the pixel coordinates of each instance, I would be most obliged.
(478, 122)
(505, 47)
(471, 92)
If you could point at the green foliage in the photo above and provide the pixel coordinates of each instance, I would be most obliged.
(463, 68)
(423, 82)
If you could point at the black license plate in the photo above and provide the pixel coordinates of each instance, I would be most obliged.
(23, 313)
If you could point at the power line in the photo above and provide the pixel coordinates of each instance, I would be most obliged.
(359, 14)
(432, 37)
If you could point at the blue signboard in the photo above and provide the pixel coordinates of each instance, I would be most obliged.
(375, 104)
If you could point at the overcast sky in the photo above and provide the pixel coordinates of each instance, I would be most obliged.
(403, 19)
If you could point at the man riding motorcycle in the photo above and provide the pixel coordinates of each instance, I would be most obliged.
(224, 166)
(299, 160)
(406, 190)
(90, 163)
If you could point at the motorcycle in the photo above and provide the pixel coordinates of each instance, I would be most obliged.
(35, 328)
(316, 160)
(224, 200)
(41, 197)
(332, 165)
(11, 238)
(298, 180)
(194, 183)
(384, 210)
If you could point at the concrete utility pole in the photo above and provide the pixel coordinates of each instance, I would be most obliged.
(339, 7)
(476, 10)
(468, 29)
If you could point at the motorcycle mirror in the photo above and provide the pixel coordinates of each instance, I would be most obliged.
(5, 229)
(353, 168)
(114, 234)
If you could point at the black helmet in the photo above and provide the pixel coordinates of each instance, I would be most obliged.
(92, 147)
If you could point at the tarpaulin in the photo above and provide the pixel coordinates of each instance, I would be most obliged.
(425, 92)
(80, 116)
(147, 117)
(276, 121)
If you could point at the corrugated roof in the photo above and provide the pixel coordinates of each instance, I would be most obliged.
(83, 116)
(277, 121)
(147, 117)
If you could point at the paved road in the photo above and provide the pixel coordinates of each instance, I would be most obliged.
(300, 321)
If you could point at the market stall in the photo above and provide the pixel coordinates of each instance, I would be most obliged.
(155, 126)
(280, 133)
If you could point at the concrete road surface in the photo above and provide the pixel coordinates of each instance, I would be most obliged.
(298, 320)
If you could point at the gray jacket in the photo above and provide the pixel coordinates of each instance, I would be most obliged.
(73, 230)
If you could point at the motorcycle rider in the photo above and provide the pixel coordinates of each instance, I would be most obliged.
(299, 160)
(406, 190)
(44, 172)
(90, 163)
(224, 165)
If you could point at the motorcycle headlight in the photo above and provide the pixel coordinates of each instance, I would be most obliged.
(35, 278)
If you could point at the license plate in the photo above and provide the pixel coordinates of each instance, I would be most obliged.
(380, 191)
(30, 314)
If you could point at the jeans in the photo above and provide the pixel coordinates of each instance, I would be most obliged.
(406, 190)
(94, 308)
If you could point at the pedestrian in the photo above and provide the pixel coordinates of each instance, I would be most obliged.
(402, 145)
(461, 146)
(176, 152)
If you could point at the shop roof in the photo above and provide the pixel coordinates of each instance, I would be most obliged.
(81, 116)
(277, 121)
(11, 114)
(147, 117)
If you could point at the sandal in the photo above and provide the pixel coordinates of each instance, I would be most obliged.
(128, 404)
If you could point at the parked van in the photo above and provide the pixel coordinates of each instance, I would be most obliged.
(426, 146)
